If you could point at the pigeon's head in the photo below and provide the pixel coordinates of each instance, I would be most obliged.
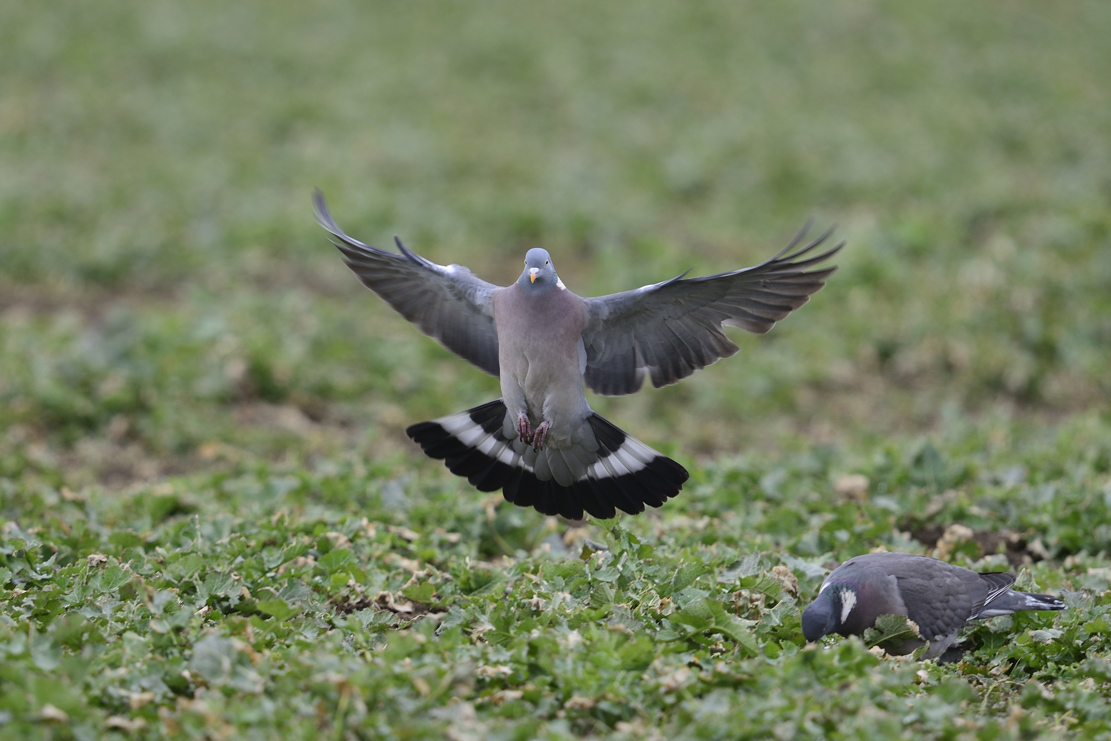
(539, 273)
(828, 613)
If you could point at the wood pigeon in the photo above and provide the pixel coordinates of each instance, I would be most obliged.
(939, 597)
(541, 443)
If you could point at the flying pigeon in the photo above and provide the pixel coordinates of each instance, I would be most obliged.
(541, 443)
(939, 597)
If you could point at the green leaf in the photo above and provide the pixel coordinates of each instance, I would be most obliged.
(109, 579)
(710, 616)
(45, 653)
(890, 629)
(764, 583)
(1097, 627)
(335, 560)
(190, 564)
(425, 593)
(277, 609)
(125, 539)
(686, 575)
(1045, 635)
(217, 584)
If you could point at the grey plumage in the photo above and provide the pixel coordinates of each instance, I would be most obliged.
(671, 329)
(541, 443)
(939, 597)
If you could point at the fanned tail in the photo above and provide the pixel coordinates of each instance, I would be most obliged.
(621, 474)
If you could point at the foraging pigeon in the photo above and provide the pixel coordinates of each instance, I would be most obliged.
(939, 597)
(540, 443)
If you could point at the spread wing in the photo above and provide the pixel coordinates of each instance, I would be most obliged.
(671, 329)
(445, 302)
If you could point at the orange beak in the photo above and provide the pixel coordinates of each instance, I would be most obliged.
(532, 274)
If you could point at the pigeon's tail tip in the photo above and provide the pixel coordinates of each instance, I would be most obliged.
(1042, 602)
(617, 446)
(627, 475)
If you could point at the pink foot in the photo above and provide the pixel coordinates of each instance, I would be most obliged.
(541, 435)
(524, 429)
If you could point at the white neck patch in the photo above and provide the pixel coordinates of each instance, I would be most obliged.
(559, 285)
(848, 602)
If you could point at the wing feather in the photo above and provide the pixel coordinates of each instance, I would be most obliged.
(996, 584)
(671, 329)
(446, 303)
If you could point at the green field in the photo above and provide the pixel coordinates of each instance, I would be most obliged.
(213, 526)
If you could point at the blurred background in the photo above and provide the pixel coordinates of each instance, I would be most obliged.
(167, 303)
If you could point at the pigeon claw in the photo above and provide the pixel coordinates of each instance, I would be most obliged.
(524, 429)
(541, 435)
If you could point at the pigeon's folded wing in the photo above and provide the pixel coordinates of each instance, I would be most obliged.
(997, 584)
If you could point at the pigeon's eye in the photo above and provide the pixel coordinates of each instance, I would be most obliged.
(547, 262)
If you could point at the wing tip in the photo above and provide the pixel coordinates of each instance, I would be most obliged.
(324, 218)
(786, 255)
(413, 256)
(321, 212)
